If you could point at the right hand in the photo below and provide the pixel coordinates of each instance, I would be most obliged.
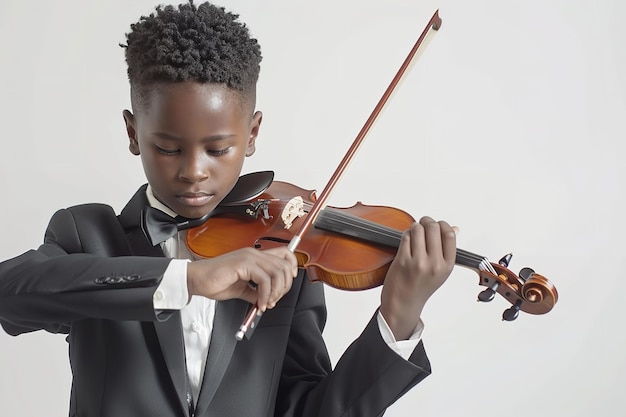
(228, 276)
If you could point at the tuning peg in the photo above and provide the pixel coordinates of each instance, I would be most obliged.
(526, 273)
(504, 261)
(511, 313)
(489, 293)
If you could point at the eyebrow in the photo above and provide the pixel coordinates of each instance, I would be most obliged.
(213, 138)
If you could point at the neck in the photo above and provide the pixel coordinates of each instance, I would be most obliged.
(338, 221)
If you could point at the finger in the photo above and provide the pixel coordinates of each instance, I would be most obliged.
(414, 241)
(263, 287)
(284, 280)
(284, 253)
(432, 235)
(448, 241)
(248, 294)
(289, 263)
(279, 267)
(404, 247)
(278, 288)
(288, 277)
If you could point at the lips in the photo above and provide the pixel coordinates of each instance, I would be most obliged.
(194, 199)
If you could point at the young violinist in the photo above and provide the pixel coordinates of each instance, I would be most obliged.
(151, 329)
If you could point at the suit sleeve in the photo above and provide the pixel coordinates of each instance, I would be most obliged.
(367, 379)
(52, 286)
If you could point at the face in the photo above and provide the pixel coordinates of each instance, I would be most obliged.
(192, 139)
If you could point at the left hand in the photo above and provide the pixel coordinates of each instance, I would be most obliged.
(424, 261)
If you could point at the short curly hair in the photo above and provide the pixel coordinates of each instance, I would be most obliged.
(202, 43)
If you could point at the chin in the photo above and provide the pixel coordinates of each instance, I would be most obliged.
(194, 212)
(197, 212)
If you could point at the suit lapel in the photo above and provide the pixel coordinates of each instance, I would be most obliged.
(228, 317)
(170, 331)
(170, 335)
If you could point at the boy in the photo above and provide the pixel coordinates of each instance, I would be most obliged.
(151, 333)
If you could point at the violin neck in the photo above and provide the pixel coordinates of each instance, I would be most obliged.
(337, 221)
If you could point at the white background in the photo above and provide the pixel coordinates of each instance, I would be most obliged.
(509, 126)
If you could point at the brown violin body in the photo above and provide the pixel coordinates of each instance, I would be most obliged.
(351, 248)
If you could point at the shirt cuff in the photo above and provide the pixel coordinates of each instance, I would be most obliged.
(404, 348)
(172, 293)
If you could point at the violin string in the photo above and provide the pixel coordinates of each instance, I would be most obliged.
(372, 231)
(366, 226)
(463, 257)
(337, 217)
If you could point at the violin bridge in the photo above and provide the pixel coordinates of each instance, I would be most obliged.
(293, 209)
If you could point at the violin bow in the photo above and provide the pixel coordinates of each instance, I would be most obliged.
(434, 24)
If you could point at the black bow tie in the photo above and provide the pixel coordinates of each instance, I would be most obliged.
(159, 226)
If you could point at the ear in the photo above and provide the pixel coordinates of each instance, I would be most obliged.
(131, 131)
(255, 125)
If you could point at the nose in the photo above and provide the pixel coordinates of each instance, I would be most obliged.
(194, 167)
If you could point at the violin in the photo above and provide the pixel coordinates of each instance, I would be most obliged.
(348, 248)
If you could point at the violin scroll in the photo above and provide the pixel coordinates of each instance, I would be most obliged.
(529, 292)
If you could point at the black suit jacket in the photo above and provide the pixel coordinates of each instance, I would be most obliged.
(94, 278)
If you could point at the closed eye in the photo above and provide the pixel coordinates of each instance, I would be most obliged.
(167, 151)
(218, 152)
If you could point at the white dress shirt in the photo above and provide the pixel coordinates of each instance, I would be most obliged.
(198, 313)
